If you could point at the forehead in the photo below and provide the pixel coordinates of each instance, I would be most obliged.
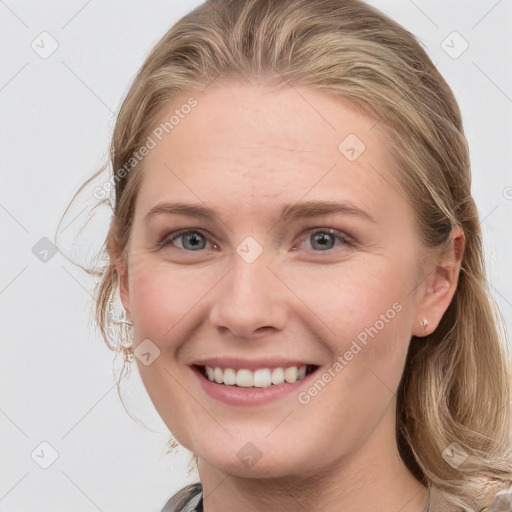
(243, 145)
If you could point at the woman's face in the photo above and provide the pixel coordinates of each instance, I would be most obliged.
(336, 290)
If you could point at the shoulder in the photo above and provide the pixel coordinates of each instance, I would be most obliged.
(185, 500)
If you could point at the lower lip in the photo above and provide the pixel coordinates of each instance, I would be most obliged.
(236, 395)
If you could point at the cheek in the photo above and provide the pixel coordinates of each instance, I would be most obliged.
(351, 297)
(362, 314)
(160, 298)
(170, 302)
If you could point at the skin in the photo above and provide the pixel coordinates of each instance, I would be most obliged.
(244, 152)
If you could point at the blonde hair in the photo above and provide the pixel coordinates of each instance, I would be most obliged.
(456, 386)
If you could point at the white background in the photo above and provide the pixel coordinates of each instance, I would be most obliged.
(57, 115)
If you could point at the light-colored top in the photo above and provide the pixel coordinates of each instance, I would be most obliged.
(502, 501)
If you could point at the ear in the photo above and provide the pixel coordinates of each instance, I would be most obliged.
(438, 288)
(121, 269)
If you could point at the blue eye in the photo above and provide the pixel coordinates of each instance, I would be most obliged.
(325, 239)
(194, 240)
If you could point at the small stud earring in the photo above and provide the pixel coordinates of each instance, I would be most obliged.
(424, 323)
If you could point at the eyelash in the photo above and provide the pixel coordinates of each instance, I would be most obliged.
(170, 237)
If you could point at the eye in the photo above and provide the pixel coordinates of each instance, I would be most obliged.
(325, 239)
(194, 240)
(191, 240)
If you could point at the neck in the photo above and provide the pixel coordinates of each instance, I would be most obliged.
(373, 477)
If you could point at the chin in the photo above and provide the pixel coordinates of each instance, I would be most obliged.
(254, 461)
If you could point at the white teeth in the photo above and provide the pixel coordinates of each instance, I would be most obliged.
(244, 378)
(260, 378)
(290, 374)
(277, 376)
(229, 377)
(218, 376)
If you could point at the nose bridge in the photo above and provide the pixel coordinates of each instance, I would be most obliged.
(251, 296)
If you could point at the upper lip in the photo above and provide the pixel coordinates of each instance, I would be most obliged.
(250, 364)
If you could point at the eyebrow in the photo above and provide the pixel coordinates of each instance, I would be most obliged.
(288, 213)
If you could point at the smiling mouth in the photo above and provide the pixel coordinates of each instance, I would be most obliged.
(260, 378)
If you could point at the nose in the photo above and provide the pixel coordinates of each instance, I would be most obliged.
(250, 300)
